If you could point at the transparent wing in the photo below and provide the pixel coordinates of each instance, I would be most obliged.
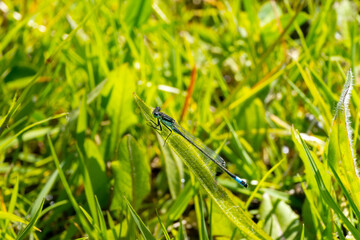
(201, 145)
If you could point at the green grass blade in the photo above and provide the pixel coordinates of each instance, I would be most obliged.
(32, 222)
(163, 228)
(55, 205)
(323, 106)
(202, 173)
(199, 209)
(302, 147)
(302, 237)
(81, 124)
(181, 233)
(89, 193)
(13, 199)
(68, 189)
(140, 224)
(261, 182)
(101, 220)
(255, 90)
(44, 192)
(181, 203)
(90, 220)
(4, 120)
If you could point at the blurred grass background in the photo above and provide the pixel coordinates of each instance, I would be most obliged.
(236, 74)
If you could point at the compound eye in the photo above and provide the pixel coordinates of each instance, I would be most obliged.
(156, 112)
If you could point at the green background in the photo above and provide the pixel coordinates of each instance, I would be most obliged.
(263, 83)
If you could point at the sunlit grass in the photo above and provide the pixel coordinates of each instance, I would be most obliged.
(266, 85)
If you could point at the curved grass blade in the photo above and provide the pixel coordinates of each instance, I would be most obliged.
(203, 174)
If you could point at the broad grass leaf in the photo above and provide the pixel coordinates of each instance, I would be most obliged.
(96, 168)
(251, 119)
(131, 173)
(137, 12)
(221, 225)
(268, 13)
(112, 231)
(20, 76)
(341, 153)
(121, 84)
(202, 173)
(279, 219)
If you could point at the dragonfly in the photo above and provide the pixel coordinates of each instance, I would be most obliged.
(172, 126)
